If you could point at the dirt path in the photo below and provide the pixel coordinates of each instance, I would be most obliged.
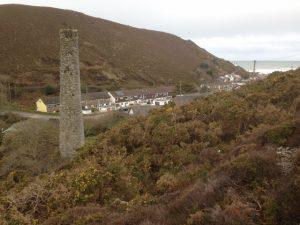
(31, 115)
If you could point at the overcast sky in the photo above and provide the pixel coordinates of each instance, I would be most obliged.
(230, 29)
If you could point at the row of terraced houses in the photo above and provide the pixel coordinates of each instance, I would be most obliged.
(113, 100)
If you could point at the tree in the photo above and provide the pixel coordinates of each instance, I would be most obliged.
(49, 90)
(186, 88)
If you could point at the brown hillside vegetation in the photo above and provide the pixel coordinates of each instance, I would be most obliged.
(3, 99)
(231, 158)
(112, 55)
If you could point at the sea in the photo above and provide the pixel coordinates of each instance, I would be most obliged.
(267, 67)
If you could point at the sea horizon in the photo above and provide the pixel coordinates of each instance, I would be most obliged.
(268, 66)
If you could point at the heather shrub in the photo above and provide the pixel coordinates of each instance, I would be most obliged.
(236, 213)
(279, 134)
(166, 183)
(270, 114)
(252, 169)
(38, 199)
(197, 218)
(90, 214)
(283, 206)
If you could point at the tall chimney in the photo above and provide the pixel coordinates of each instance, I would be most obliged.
(71, 134)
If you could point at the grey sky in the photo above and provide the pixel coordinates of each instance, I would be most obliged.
(231, 29)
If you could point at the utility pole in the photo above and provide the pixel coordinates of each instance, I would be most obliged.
(254, 67)
(9, 93)
(180, 89)
(15, 91)
(86, 95)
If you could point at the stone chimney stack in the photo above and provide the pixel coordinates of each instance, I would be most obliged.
(71, 135)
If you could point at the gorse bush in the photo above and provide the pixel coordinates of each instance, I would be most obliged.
(212, 162)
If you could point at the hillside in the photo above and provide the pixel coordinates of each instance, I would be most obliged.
(112, 55)
(227, 159)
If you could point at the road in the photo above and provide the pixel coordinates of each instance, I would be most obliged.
(186, 98)
(31, 115)
(46, 116)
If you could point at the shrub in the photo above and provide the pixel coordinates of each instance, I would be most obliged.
(235, 213)
(105, 183)
(86, 185)
(204, 66)
(82, 215)
(49, 90)
(279, 134)
(166, 183)
(270, 114)
(204, 89)
(209, 72)
(283, 206)
(197, 218)
(252, 169)
(186, 88)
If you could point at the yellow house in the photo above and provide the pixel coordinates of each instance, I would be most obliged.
(48, 105)
(92, 100)
(41, 106)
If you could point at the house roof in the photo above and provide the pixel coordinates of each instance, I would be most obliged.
(145, 91)
(95, 95)
(141, 110)
(89, 96)
(51, 100)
